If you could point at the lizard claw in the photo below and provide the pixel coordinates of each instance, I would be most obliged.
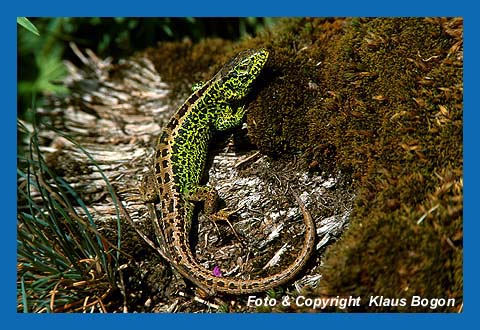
(224, 215)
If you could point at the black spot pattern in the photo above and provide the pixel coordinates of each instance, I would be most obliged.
(166, 177)
(187, 136)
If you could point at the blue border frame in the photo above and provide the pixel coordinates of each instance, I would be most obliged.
(238, 8)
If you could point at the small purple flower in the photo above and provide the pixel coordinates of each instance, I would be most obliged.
(217, 272)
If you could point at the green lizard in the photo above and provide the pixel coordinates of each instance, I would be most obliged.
(179, 163)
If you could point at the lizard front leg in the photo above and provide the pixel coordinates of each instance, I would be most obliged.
(228, 117)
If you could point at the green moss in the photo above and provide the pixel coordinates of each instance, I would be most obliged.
(380, 100)
(393, 114)
(386, 107)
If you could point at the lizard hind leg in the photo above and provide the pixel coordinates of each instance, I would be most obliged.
(148, 189)
(209, 197)
(146, 192)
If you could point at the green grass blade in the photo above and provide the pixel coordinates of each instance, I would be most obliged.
(24, 295)
(58, 242)
(25, 22)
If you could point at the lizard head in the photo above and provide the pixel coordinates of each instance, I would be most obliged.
(237, 76)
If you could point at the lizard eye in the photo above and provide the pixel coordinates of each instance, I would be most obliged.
(243, 69)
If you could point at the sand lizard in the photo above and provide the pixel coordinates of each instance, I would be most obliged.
(179, 162)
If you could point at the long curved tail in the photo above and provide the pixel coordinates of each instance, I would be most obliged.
(212, 284)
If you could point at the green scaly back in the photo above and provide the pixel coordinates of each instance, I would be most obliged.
(216, 105)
